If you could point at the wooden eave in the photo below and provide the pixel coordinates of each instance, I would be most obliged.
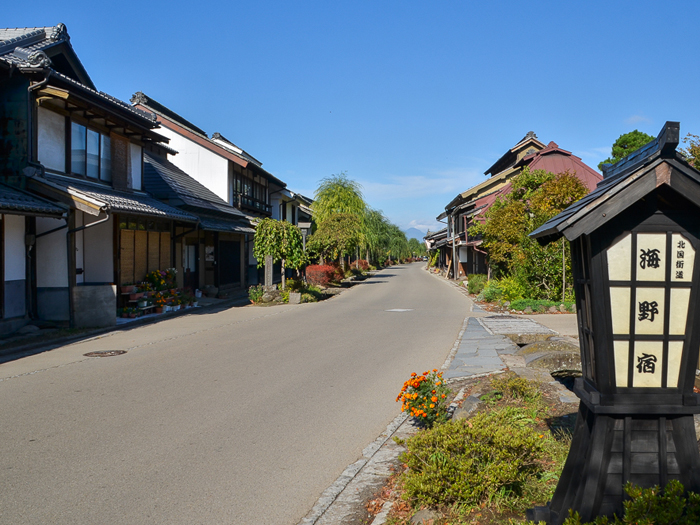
(75, 200)
(90, 109)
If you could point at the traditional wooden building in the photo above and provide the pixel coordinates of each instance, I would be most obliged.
(228, 171)
(74, 145)
(471, 205)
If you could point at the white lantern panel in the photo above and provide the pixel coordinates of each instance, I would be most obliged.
(675, 353)
(622, 358)
(650, 258)
(680, 298)
(648, 364)
(682, 259)
(620, 307)
(619, 260)
(649, 311)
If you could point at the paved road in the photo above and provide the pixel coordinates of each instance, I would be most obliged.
(242, 416)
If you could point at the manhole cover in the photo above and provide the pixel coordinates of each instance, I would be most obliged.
(105, 353)
(400, 310)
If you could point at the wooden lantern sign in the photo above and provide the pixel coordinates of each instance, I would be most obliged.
(634, 244)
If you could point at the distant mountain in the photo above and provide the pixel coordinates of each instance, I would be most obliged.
(414, 233)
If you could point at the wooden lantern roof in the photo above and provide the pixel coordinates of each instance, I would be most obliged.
(624, 183)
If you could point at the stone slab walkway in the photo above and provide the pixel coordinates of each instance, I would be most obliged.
(479, 351)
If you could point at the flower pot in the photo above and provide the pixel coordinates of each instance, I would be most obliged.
(127, 289)
(159, 309)
(125, 316)
(143, 303)
(195, 303)
(136, 295)
(198, 293)
(132, 316)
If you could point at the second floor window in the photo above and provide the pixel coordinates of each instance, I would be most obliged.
(90, 153)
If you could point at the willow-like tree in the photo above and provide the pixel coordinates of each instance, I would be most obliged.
(278, 241)
(338, 235)
(337, 194)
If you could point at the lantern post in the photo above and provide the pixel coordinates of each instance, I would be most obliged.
(634, 244)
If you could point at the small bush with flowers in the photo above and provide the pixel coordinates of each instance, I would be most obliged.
(424, 397)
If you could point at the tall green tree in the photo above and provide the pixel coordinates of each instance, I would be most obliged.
(626, 144)
(338, 194)
(278, 241)
(336, 236)
(536, 197)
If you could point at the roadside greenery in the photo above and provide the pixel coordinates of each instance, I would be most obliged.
(670, 506)
(522, 268)
(346, 226)
(425, 398)
(280, 240)
(476, 282)
(500, 461)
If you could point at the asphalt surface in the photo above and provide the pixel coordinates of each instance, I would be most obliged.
(240, 416)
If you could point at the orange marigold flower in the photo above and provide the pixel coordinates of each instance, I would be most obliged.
(432, 406)
(434, 399)
(413, 374)
(434, 369)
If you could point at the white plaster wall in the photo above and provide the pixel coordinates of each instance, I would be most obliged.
(98, 252)
(50, 253)
(275, 203)
(52, 140)
(14, 248)
(204, 166)
(136, 164)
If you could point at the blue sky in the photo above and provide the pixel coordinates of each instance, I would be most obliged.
(414, 100)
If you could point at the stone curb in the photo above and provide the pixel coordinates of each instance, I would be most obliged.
(331, 493)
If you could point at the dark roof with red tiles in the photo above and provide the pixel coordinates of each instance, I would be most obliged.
(556, 160)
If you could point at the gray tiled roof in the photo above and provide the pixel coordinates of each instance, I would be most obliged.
(150, 117)
(28, 47)
(16, 200)
(222, 225)
(165, 180)
(123, 201)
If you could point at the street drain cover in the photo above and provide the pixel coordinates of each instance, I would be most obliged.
(105, 353)
(400, 310)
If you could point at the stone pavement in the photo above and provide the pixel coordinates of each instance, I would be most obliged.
(485, 346)
(486, 339)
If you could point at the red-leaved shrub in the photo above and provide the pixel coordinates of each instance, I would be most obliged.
(320, 275)
(361, 264)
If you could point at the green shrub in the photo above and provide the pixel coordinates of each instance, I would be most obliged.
(255, 293)
(512, 288)
(653, 507)
(514, 387)
(284, 295)
(476, 282)
(294, 285)
(474, 461)
(492, 291)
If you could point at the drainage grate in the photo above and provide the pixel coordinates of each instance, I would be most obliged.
(105, 353)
